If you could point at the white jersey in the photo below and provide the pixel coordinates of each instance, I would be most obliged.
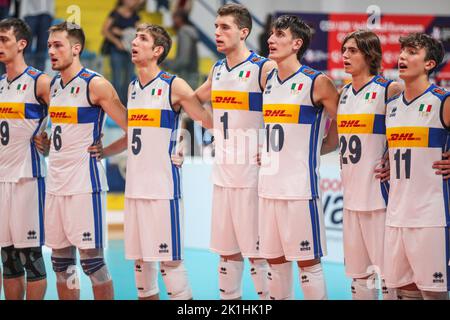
(294, 132)
(152, 125)
(22, 116)
(416, 135)
(236, 97)
(76, 125)
(362, 139)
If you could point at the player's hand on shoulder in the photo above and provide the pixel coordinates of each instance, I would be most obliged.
(42, 143)
(443, 166)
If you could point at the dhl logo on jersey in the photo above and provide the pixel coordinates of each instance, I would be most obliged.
(144, 117)
(355, 123)
(281, 113)
(407, 137)
(64, 114)
(230, 100)
(12, 110)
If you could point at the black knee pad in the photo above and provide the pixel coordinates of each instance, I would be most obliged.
(12, 267)
(33, 262)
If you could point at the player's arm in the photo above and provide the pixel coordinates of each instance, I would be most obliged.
(331, 141)
(41, 140)
(394, 88)
(203, 92)
(265, 71)
(326, 94)
(184, 97)
(443, 166)
(103, 94)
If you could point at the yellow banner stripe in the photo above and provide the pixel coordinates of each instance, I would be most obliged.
(230, 100)
(64, 114)
(12, 110)
(281, 113)
(407, 137)
(355, 123)
(144, 117)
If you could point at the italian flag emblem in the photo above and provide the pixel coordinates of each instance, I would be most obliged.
(370, 96)
(156, 92)
(425, 107)
(74, 90)
(244, 75)
(21, 87)
(296, 87)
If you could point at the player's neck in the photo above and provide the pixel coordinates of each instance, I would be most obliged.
(288, 67)
(360, 80)
(237, 56)
(15, 68)
(415, 87)
(147, 73)
(71, 71)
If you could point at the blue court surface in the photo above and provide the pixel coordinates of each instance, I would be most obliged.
(202, 268)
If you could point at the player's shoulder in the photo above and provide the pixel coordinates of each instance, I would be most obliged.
(439, 92)
(381, 81)
(167, 77)
(87, 75)
(257, 59)
(33, 73)
(310, 72)
(394, 97)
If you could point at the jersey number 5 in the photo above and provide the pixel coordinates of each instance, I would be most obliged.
(136, 143)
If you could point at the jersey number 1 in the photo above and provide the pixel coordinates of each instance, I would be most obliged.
(406, 156)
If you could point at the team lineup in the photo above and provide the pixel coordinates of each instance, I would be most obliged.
(271, 118)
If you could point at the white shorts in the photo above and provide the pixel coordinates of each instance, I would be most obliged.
(154, 229)
(363, 242)
(75, 220)
(22, 213)
(234, 221)
(417, 255)
(291, 228)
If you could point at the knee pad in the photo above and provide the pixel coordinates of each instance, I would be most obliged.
(364, 289)
(175, 278)
(230, 279)
(258, 271)
(313, 282)
(12, 267)
(64, 265)
(33, 263)
(433, 295)
(281, 281)
(93, 265)
(146, 276)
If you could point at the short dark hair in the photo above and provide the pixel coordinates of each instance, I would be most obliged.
(240, 13)
(434, 49)
(369, 44)
(160, 38)
(298, 28)
(21, 30)
(74, 32)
